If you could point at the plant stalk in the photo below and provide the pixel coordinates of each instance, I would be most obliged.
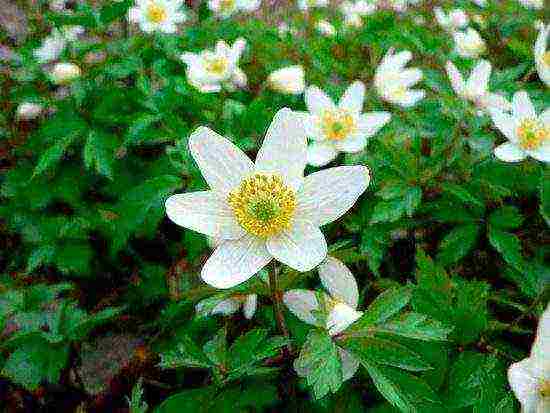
(277, 298)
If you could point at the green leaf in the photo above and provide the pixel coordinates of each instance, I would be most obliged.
(509, 246)
(412, 200)
(136, 402)
(320, 362)
(457, 243)
(544, 194)
(387, 304)
(196, 400)
(506, 217)
(417, 326)
(99, 153)
(388, 211)
(186, 354)
(463, 194)
(53, 154)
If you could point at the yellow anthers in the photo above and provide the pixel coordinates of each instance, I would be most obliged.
(544, 388)
(532, 134)
(155, 13)
(217, 65)
(337, 124)
(263, 205)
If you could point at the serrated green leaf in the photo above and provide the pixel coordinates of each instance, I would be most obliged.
(417, 326)
(457, 244)
(186, 354)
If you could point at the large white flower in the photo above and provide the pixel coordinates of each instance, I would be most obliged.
(210, 70)
(469, 44)
(266, 209)
(475, 89)
(393, 82)
(542, 57)
(530, 378)
(340, 302)
(452, 21)
(230, 305)
(157, 15)
(226, 8)
(527, 133)
(339, 128)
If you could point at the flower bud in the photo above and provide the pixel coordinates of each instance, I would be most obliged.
(28, 110)
(63, 73)
(289, 80)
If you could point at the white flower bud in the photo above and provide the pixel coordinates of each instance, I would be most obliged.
(28, 110)
(289, 80)
(325, 28)
(63, 73)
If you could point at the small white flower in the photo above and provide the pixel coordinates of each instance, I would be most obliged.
(542, 56)
(527, 133)
(231, 305)
(340, 302)
(289, 80)
(28, 110)
(210, 70)
(58, 5)
(393, 82)
(63, 73)
(266, 209)
(532, 4)
(452, 21)
(53, 45)
(475, 89)
(157, 15)
(325, 28)
(339, 128)
(530, 378)
(469, 44)
(309, 4)
(226, 8)
(354, 11)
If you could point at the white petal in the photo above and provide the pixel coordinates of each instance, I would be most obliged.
(284, 148)
(495, 101)
(339, 281)
(508, 152)
(524, 384)
(237, 49)
(134, 15)
(457, 81)
(302, 247)
(541, 154)
(409, 77)
(320, 153)
(352, 144)
(330, 193)
(353, 98)
(341, 317)
(204, 212)
(234, 262)
(301, 303)
(370, 123)
(222, 164)
(226, 307)
(541, 346)
(317, 101)
(505, 123)
(411, 98)
(350, 364)
(250, 305)
(545, 117)
(522, 106)
(479, 79)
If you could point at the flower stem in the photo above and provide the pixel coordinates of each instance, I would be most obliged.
(277, 298)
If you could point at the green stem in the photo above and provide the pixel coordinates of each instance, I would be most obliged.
(277, 298)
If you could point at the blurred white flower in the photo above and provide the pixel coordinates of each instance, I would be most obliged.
(226, 8)
(63, 73)
(28, 110)
(452, 21)
(289, 80)
(340, 302)
(264, 210)
(229, 306)
(58, 5)
(530, 377)
(469, 44)
(339, 128)
(542, 56)
(527, 133)
(157, 15)
(532, 4)
(309, 4)
(354, 11)
(325, 28)
(53, 45)
(393, 81)
(475, 89)
(480, 3)
(210, 70)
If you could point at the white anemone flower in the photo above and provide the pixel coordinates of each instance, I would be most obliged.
(339, 127)
(289, 80)
(231, 305)
(475, 89)
(469, 44)
(210, 70)
(393, 82)
(530, 378)
(266, 209)
(532, 4)
(309, 4)
(527, 133)
(157, 15)
(227, 8)
(340, 302)
(542, 56)
(454, 20)
(354, 12)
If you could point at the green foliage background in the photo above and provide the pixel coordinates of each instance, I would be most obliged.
(449, 245)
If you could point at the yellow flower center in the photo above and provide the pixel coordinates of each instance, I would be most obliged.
(156, 13)
(532, 134)
(544, 389)
(263, 204)
(217, 65)
(337, 124)
(546, 58)
(227, 5)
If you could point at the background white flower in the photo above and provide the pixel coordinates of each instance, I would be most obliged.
(542, 57)
(289, 80)
(452, 21)
(226, 8)
(393, 81)
(157, 15)
(341, 303)
(339, 128)
(28, 110)
(475, 89)
(325, 28)
(527, 133)
(354, 11)
(530, 378)
(229, 306)
(469, 44)
(264, 210)
(210, 70)
(532, 4)
(63, 73)
(308, 4)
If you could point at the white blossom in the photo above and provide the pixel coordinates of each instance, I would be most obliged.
(157, 15)
(227, 8)
(542, 56)
(469, 44)
(28, 110)
(289, 80)
(454, 20)
(325, 28)
(230, 305)
(63, 73)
